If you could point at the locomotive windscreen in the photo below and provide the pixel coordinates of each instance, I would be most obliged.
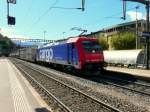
(91, 46)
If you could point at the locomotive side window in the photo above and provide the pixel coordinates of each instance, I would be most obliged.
(91, 46)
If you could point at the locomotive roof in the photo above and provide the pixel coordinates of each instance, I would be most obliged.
(68, 40)
(75, 39)
(72, 39)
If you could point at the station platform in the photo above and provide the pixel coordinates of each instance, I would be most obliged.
(16, 94)
(140, 73)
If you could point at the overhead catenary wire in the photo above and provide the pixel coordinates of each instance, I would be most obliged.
(114, 16)
(49, 9)
(58, 7)
(28, 12)
(41, 16)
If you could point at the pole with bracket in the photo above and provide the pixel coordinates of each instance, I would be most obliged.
(146, 3)
(7, 9)
(147, 38)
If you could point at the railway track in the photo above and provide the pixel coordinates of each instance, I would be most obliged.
(65, 97)
(143, 89)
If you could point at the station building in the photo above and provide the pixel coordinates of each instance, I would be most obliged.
(133, 26)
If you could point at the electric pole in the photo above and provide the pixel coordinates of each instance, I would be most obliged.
(147, 38)
(63, 35)
(146, 3)
(44, 35)
(83, 5)
(137, 39)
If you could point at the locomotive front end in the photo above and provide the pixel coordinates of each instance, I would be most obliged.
(91, 54)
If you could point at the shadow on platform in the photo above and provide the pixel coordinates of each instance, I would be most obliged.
(41, 110)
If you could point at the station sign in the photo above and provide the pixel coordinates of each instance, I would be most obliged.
(145, 34)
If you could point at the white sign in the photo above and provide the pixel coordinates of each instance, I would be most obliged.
(46, 54)
(11, 1)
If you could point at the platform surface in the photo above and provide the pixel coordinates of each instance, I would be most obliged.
(134, 72)
(16, 94)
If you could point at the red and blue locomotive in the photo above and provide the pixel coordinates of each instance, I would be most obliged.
(80, 53)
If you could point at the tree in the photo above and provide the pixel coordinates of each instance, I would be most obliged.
(5, 45)
(123, 41)
(103, 42)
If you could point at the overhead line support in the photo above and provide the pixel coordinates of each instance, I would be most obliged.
(146, 3)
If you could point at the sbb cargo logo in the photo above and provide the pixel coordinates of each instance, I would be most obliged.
(46, 54)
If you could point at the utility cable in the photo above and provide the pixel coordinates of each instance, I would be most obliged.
(114, 16)
(49, 9)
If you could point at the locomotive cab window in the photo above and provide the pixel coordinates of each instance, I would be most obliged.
(91, 46)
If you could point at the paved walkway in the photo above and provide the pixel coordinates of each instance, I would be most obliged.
(135, 72)
(16, 94)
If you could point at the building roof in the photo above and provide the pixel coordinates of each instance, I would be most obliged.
(125, 24)
(118, 25)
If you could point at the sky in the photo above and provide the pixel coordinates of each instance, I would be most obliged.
(34, 17)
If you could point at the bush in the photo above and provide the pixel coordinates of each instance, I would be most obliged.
(5, 45)
(123, 41)
(103, 42)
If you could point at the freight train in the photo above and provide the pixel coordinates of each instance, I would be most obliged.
(78, 53)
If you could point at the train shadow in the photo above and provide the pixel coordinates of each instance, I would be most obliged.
(41, 110)
(110, 77)
(106, 77)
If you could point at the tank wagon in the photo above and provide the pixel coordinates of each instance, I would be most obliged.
(80, 53)
(125, 57)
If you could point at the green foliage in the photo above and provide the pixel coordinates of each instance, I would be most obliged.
(123, 41)
(6, 42)
(103, 42)
(5, 45)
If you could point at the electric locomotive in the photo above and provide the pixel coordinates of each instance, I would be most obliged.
(80, 53)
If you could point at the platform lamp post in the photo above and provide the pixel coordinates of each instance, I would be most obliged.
(63, 34)
(44, 35)
(146, 3)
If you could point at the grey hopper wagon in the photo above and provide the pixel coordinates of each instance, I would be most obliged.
(128, 58)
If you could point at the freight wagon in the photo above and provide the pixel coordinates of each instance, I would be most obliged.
(28, 53)
(125, 57)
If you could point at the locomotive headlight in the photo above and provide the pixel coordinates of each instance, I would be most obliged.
(93, 51)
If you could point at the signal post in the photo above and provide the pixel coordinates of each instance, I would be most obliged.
(11, 20)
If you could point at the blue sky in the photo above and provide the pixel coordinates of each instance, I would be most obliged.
(33, 17)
